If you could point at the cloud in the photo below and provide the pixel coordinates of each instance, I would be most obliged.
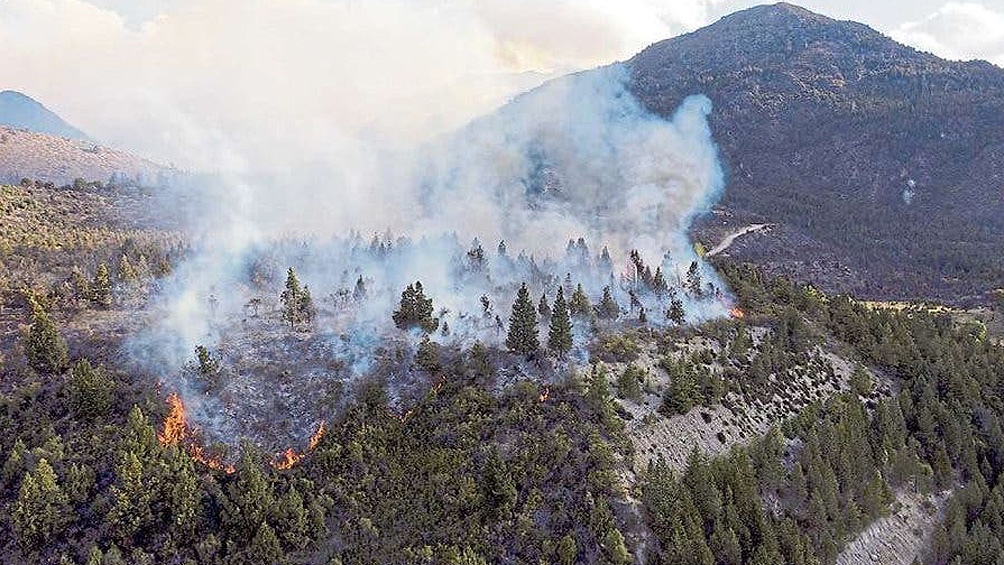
(958, 30)
(229, 84)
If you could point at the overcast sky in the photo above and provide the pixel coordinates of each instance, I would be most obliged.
(233, 83)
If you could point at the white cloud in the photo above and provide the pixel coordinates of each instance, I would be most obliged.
(958, 30)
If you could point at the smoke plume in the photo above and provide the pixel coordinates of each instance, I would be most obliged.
(556, 188)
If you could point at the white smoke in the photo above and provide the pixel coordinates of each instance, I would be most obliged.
(577, 159)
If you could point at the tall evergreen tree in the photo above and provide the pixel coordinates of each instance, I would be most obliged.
(559, 338)
(45, 348)
(291, 298)
(676, 313)
(415, 310)
(694, 283)
(101, 288)
(579, 305)
(608, 307)
(41, 508)
(544, 309)
(522, 337)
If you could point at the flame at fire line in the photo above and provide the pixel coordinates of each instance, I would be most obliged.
(176, 431)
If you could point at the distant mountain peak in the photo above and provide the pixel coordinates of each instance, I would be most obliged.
(21, 111)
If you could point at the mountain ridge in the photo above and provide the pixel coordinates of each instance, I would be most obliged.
(878, 162)
(18, 110)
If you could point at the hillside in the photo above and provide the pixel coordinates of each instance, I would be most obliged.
(22, 112)
(60, 160)
(880, 166)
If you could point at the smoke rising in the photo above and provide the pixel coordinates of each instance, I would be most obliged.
(557, 188)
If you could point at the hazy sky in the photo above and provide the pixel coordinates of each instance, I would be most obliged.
(241, 83)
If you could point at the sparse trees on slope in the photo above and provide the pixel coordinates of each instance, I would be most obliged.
(522, 337)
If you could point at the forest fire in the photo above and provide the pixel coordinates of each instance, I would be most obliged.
(737, 313)
(176, 431)
(174, 424)
(545, 393)
(289, 458)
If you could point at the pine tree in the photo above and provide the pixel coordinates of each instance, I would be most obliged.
(291, 299)
(45, 348)
(415, 310)
(694, 283)
(559, 338)
(359, 292)
(101, 288)
(659, 285)
(305, 306)
(126, 272)
(579, 305)
(91, 391)
(676, 313)
(608, 308)
(544, 309)
(41, 509)
(522, 337)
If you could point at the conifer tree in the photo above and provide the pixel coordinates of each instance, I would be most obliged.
(522, 337)
(694, 282)
(579, 305)
(676, 313)
(101, 288)
(544, 309)
(45, 348)
(126, 273)
(291, 299)
(659, 285)
(415, 310)
(41, 508)
(608, 307)
(559, 338)
(305, 306)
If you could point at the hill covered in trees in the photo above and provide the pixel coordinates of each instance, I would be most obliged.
(879, 165)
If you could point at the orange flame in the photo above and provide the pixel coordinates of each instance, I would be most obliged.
(212, 461)
(545, 393)
(287, 459)
(737, 313)
(174, 425)
(176, 430)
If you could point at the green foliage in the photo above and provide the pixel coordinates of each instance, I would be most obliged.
(297, 304)
(676, 313)
(559, 337)
(608, 308)
(629, 382)
(41, 508)
(101, 287)
(45, 348)
(579, 305)
(91, 391)
(523, 336)
(415, 310)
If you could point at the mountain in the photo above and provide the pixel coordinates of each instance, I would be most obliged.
(880, 167)
(60, 160)
(23, 112)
